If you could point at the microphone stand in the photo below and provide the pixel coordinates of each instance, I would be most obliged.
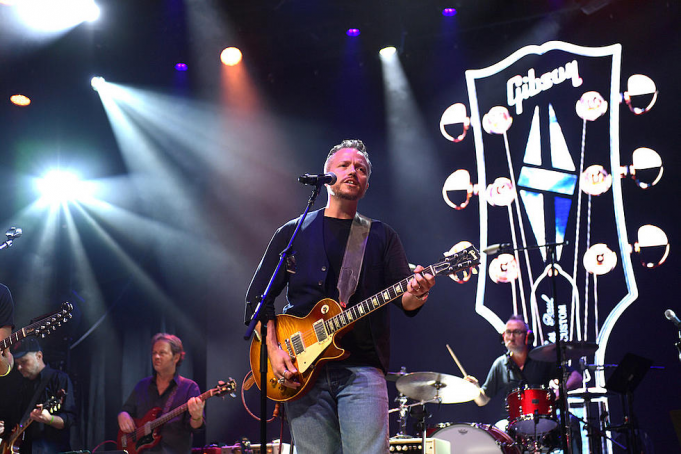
(562, 385)
(12, 234)
(260, 316)
(565, 429)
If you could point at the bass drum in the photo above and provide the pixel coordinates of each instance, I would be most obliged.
(471, 438)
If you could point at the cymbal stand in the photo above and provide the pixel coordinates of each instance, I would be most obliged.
(560, 362)
(594, 432)
(403, 411)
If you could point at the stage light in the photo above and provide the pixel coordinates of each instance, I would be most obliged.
(231, 56)
(90, 12)
(387, 52)
(20, 100)
(56, 15)
(97, 83)
(180, 67)
(61, 186)
(449, 12)
(352, 32)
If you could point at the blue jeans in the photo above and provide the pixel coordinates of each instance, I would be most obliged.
(345, 411)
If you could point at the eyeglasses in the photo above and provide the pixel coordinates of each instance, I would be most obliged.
(517, 332)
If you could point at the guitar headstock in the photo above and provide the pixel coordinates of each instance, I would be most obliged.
(51, 322)
(225, 388)
(54, 403)
(458, 261)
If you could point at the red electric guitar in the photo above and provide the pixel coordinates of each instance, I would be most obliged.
(147, 435)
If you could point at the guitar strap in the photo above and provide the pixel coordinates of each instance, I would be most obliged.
(36, 395)
(166, 407)
(353, 258)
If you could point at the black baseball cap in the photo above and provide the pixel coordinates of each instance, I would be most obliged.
(30, 344)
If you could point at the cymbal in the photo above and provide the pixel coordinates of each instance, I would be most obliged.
(573, 350)
(426, 386)
(590, 393)
(394, 376)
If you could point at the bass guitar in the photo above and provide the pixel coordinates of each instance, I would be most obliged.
(12, 443)
(44, 326)
(311, 340)
(147, 434)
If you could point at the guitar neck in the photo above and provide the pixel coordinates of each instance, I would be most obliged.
(178, 411)
(19, 335)
(364, 308)
(20, 429)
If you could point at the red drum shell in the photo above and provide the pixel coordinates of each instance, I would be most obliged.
(531, 410)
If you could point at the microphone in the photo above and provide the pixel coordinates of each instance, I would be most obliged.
(496, 248)
(671, 316)
(13, 233)
(318, 180)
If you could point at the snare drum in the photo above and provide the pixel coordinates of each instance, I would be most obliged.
(531, 410)
(470, 438)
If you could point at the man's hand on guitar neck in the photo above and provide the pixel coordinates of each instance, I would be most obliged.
(6, 359)
(41, 415)
(417, 290)
(195, 407)
(282, 365)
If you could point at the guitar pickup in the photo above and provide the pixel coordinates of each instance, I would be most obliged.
(297, 343)
(320, 330)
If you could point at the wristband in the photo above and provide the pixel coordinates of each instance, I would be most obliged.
(51, 420)
(9, 369)
(197, 419)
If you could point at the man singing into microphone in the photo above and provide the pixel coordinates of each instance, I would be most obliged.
(346, 409)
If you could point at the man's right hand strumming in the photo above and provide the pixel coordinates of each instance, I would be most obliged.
(125, 422)
(282, 366)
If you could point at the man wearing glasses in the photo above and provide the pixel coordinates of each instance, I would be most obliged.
(515, 368)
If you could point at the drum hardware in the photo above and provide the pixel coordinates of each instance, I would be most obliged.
(594, 433)
(402, 400)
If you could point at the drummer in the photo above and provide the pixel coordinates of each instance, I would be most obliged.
(515, 368)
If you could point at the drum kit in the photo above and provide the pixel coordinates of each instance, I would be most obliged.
(533, 426)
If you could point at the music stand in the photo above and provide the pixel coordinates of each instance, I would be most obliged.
(626, 377)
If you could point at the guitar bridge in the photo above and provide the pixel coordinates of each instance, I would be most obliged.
(289, 348)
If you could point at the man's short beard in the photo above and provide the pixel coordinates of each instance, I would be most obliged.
(345, 196)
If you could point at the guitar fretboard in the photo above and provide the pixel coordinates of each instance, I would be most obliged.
(363, 308)
(42, 326)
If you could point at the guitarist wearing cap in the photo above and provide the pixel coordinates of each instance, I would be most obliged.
(165, 390)
(49, 432)
(345, 408)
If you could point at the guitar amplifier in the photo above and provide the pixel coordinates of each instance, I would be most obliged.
(433, 445)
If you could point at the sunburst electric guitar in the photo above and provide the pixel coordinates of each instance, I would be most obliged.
(147, 435)
(13, 441)
(311, 340)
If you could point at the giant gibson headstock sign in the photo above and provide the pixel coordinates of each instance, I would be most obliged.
(545, 125)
